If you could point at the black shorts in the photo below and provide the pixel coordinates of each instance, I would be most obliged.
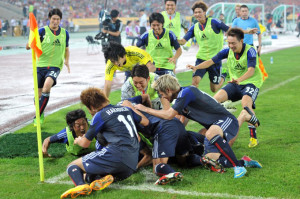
(44, 72)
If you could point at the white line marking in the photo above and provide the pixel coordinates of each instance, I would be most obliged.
(150, 187)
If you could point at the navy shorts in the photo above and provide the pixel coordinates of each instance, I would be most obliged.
(235, 92)
(103, 163)
(184, 144)
(165, 140)
(162, 71)
(44, 72)
(230, 127)
(214, 71)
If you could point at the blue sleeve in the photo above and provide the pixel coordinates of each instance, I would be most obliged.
(137, 99)
(220, 25)
(189, 34)
(251, 55)
(174, 41)
(143, 40)
(95, 127)
(60, 137)
(137, 118)
(67, 38)
(223, 54)
(185, 96)
(42, 34)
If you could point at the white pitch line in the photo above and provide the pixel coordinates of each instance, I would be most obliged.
(151, 187)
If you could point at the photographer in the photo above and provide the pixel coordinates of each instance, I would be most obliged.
(114, 27)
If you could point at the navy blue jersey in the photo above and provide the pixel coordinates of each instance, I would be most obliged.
(42, 34)
(251, 55)
(60, 137)
(143, 41)
(216, 25)
(199, 106)
(117, 126)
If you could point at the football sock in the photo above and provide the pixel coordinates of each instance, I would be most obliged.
(76, 174)
(43, 102)
(224, 75)
(223, 161)
(163, 169)
(194, 160)
(252, 131)
(224, 148)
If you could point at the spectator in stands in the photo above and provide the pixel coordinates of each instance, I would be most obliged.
(13, 24)
(131, 32)
(143, 22)
(298, 24)
(222, 17)
(237, 11)
(24, 26)
(114, 28)
(71, 25)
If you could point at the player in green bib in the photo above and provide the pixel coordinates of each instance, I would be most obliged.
(243, 68)
(140, 83)
(159, 43)
(55, 47)
(209, 36)
(77, 126)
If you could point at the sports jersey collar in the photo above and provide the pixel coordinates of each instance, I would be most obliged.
(202, 26)
(161, 35)
(57, 32)
(238, 55)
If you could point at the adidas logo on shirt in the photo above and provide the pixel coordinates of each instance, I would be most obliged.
(159, 46)
(163, 153)
(204, 37)
(171, 25)
(238, 67)
(56, 43)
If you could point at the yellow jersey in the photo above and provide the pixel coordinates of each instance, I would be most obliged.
(134, 55)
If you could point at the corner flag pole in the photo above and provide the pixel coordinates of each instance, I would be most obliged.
(35, 44)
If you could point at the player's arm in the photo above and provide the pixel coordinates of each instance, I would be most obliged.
(175, 44)
(107, 87)
(46, 145)
(144, 120)
(203, 65)
(151, 66)
(187, 36)
(82, 141)
(247, 75)
(164, 114)
(259, 44)
(67, 56)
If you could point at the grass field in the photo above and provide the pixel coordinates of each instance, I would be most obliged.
(278, 151)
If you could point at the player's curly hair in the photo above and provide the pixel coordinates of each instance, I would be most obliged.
(199, 4)
(55, 11)
(140, 71)
(166, 82)
(93, 97)
(114, 51)
(72, 116)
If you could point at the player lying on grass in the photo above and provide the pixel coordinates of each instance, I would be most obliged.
(77, 126)
(118, 159)
(196, 105)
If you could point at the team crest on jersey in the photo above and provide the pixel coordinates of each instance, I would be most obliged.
(56, 43)
(238, 67)
(159, 46)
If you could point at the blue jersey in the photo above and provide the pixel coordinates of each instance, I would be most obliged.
(216, 25)
(251, 56)
(117, 126)
(199, 106)
(42, 34)
(143, 41)
(246, 24)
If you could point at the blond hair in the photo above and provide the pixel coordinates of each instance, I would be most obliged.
(166, 82)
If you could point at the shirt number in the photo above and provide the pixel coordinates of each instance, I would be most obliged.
(129, 124)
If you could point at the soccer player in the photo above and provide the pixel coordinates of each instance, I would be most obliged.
(246, 77)
(140, 83)
(119, 158)
(159, 43)
(174, 21)
(77, 126)
(123, 59)
(55, 47)
(196, 105)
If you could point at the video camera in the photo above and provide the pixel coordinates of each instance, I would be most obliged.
(105, 23)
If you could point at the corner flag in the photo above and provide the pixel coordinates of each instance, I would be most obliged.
(35, 44)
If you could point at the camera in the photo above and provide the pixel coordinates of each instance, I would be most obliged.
(105, 23)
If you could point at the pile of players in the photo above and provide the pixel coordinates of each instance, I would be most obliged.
(148, 125)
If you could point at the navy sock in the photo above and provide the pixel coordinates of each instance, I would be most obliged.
(224, 148)
(76, 174)
(252, 131)
(194, 160)
(43, 102)
(163, 169)
(223, 161)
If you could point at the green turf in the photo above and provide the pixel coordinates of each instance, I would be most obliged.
(278, 150)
